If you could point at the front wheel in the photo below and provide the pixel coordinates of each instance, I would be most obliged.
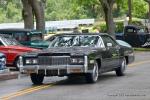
(120, 71)
(37, 79)
(93, 77)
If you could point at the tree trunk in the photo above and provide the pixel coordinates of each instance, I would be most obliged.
(27, 15)
(39, 14)
(108, 11)
(149, 11)
(130, 11)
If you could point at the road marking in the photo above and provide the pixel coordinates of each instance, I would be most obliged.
(139, 63)
(25, 91)
(36, 88)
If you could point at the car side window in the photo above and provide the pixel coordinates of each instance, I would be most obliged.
(108, 39)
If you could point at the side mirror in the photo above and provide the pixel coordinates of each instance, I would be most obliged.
(109, 44)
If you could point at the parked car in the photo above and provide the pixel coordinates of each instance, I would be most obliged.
(78, 54)
(12, 49)
(27, 37)
(2, 61)
(123, 43)
(137, 36)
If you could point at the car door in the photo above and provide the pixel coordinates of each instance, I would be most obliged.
(9, 51)
(4, 50)
(111, 53)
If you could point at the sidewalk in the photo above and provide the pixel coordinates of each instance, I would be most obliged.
(6, 75)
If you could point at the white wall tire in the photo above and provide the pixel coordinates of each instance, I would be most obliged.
(120, 71)
(93, 77)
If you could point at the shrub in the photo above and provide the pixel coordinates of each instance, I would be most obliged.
(136, 22)
(103, 28)
(119, 25)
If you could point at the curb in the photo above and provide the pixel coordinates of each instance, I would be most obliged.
(7, 75)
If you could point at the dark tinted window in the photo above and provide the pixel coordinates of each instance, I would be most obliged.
(21, 36)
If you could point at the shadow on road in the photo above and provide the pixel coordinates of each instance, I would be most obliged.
(80, 80)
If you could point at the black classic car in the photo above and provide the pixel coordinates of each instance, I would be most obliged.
(78, 54)
(137, 36)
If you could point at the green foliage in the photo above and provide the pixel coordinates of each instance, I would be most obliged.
(136, 22)
(119, 27)
(55, 10)
(11, 10)
(103, 28)
(140, 9)
(2, 17)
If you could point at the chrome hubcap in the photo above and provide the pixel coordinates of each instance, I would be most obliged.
(123, 65)
(17, 63)
(95, 72)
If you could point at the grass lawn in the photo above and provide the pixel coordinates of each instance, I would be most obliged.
(142, 49)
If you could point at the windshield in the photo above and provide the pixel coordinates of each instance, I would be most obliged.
(21, 36)
(10, 41)
(74, 40)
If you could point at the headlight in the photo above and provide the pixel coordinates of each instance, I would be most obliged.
(31, 61)
(77, 60)
(28, 61)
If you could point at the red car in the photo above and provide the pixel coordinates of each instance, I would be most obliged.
(12, 49)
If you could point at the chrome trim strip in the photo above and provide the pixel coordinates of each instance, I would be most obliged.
(85, 63)
(37, 67)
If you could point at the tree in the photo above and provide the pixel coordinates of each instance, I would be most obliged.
(33, 8)
(130, 10)
(27, 14)
(148, 1)
(107, 6)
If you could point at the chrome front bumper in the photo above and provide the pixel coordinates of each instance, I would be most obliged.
(69, 69)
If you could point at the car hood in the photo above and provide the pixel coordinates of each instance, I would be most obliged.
(66, 50)
(22, 48)
(39, 43)
(36, 44)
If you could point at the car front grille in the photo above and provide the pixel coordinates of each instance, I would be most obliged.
(54, 60)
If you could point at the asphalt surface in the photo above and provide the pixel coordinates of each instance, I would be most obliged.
(135, 85)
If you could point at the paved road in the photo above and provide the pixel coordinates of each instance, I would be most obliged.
(134, 86)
